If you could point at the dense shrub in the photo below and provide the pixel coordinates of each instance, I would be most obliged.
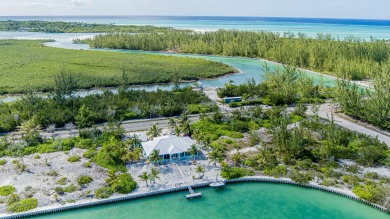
(369, 192)
(111, 154)
(73, 159)
(83, 180)
(2, 162)
(103, 192)
(351, 180)
(300, 177)
(13, 198)
(59, 190)
(84, 143)
(277, 171)
(87, 165)
(71, 188)
(62, 181)
(89, 153)
(124, 183)
(6, 190)
(235, 172)
(23, 205)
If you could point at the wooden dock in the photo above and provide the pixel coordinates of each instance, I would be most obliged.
(193, 194)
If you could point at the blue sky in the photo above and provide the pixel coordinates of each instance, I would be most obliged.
(373, 9)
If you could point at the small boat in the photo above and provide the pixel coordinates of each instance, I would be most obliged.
(217, 184)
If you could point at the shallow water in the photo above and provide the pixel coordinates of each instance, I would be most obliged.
(243, 200)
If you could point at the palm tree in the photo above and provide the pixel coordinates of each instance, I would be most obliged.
(144, 177)
(154, 131)
(183, 118)
(154, 156)
(193, 150)
(216, 156)
(199, 169)
(237, 158)
(186, 128)
(154, 174)
(206, 141)
(177, 131)
(172, 124)
(134, 141)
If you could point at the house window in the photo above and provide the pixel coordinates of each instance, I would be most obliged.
(166, 156)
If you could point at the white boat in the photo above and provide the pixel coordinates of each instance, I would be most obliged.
(217, 184)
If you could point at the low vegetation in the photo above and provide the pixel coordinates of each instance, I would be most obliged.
(84, 180)
(6, 190)
(122, 183)
(103, 192)
(3, 162)
(29, 63)
(74, 158)
(23, 205)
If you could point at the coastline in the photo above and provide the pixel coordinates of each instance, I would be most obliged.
(138, 194)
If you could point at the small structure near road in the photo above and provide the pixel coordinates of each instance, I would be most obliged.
(232, 99)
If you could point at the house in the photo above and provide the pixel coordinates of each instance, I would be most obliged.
(169, 147)
(232, 99)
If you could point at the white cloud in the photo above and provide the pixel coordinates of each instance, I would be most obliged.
(42, 3)
(75, 3)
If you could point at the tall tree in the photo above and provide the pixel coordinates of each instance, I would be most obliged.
(154, 131)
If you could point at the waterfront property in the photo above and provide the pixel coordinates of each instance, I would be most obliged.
(169, 147)
(232, 99)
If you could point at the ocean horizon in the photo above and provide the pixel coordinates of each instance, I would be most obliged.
(350, 21)
(337, 27)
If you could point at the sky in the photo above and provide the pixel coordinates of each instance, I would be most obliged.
(365, 9)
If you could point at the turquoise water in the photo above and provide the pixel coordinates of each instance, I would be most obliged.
(249, 68)
(244, 200)
(311, 26)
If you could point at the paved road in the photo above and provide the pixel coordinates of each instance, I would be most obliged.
(326, 110)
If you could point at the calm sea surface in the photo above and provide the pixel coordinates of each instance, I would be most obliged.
(311, 26)
(246, 200)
